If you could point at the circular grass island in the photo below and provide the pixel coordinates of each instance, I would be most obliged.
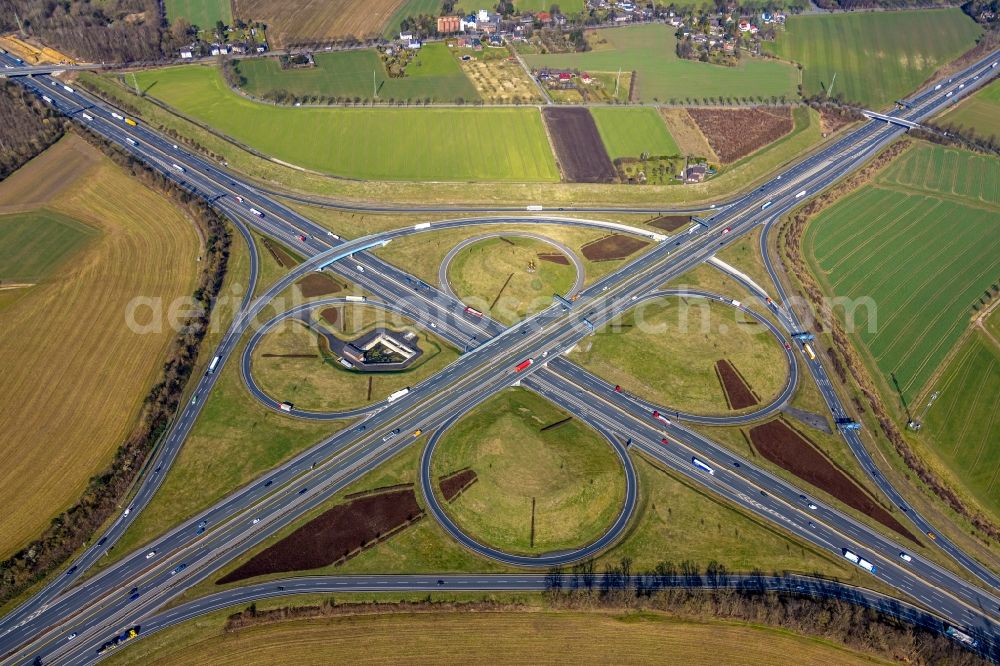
(527, 454)
(510, 278)
(293, 363)
(696, 355)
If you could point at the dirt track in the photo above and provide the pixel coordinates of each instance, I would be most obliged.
(455, 484)
(578, 145)
(785, 447)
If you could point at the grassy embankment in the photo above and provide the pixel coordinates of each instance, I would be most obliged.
(374, 143)
(665, 351)
(545, 482)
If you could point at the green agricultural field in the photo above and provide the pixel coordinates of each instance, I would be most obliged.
(665, 351)
(505, 278)
(202, 13)
(877, 57)
(963, 425)
(629, 132)
(498, 144)
(434, 73)
(33, 244)
(570, 474)
(650, 51)
(410, 8)
(981, 112)
(914, 252)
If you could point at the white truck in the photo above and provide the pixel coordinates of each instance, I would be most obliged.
(213, 365)
(422, 225)
(256, 212)
(178, 167)
(397, 394)
(117, 116)
(356, 299)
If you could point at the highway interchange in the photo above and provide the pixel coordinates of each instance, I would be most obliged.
(102, 606)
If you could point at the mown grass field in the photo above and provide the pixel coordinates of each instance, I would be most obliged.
(922, 244)
(312, 21)
(571, 473)
(421, 254)
(314, 380)
(202, 13)
(501, 144)
(555, 194)
(650, 50)
(877, 57)
(75, 374)
(963, 426)
(665, 351)
(539, 637)
(433, 74)
(504, 277)
(980, 112)
(631, 132)
(34, 244)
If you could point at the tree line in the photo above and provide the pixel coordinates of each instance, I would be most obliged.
(28, 127)
(809, 606)
(96, 31)
(106, 491)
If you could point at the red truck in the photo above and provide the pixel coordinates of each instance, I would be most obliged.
(523, 365)
(473, 312)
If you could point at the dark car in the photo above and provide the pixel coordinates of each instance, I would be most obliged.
(268, 482)
(303, 490)
(71, 570)
(101, 542)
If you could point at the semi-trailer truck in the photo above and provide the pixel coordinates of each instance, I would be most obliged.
(524, 365)
(702, 466)
(256, 212)
(178, 167)
(396, 395)
(286, 406)
(124, 637)
(357, 299)
(422, 225)
(860, 561)
(213, 365)
(473, 311)
(961, 637)
(68, 89)
(130, 141)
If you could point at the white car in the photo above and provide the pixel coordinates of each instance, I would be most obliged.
(905, 557)
(255, 521)
(150, 554)
(361, 269)
(71, 636)
(127, 511)
(813, 506)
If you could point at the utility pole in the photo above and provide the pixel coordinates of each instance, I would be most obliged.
(910, 422)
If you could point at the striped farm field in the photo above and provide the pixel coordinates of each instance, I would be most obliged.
(963, 425)
(461, 638)
(876, 57)
(443, 144)
(629, 132)
(75, 373)
(913, 252)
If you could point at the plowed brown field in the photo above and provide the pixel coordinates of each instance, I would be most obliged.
(302, 21)
(735, 133)
(578, 145)
(785, 447)
(333, 535)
